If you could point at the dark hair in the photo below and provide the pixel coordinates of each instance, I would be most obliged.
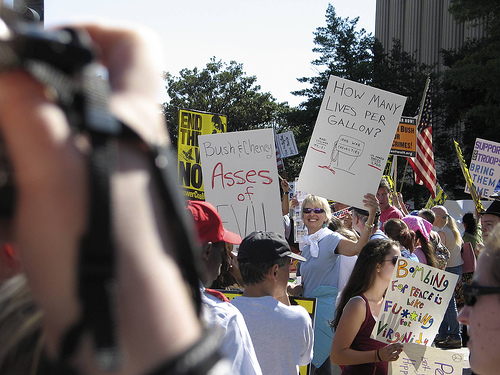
(470, 223)
(363, 273)
(492, 251)
(427, 248)
(335, 224)
(20, 328)
(225, 280)
(363, 215)
(398, 231)
(384, 184)
(255, 273)
(427, 214)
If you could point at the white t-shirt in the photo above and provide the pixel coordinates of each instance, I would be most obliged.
(282, 335)
(236, 343)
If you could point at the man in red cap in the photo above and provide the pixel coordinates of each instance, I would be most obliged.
(236, 344)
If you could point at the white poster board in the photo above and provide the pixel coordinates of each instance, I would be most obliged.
(414, 304)
(484, 167)
(351, 141)
(424, 360)
(240, 177)
(286, 144)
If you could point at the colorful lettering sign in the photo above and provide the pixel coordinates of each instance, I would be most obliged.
(241, 180)
(405, 140)
(191, 125)
(414, 304)
(424, 360)
(351, 141)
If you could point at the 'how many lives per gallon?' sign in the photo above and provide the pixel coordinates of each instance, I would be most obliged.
(351, 140)
(414, 304)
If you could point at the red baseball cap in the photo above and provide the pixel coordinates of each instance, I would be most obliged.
(209, 224)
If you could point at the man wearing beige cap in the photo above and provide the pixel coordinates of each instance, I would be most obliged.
(449, 336)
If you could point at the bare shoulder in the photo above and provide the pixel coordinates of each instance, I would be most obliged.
(356, 307)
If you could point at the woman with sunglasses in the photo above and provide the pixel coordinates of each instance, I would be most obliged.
(482, 307)
(320, 273)
(358, 308)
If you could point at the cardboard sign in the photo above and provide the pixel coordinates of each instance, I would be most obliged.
(423, 360)
(415, 303)
(468, 179)
(286, 144)
(241, 180)
(440, 198)
(405, 140)
(485, 167)
(191, 125)
(351, 141)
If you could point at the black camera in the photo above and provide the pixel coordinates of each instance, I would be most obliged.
(56, 58)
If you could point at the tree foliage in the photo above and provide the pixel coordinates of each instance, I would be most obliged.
(354, 54)
(224, 89)
(470, 87)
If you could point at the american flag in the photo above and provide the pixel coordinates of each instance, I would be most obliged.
(423, 163)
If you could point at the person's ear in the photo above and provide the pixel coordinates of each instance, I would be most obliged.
(273, 271)
(206, 250)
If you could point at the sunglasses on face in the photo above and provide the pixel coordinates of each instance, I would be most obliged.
(471, 292)
(308, 210)
(393, 260)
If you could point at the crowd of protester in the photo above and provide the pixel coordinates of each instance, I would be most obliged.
(159, 327)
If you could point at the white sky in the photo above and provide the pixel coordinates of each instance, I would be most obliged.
(273, 39)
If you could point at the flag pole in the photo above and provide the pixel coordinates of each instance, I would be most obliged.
(404, 174)
(420, 110)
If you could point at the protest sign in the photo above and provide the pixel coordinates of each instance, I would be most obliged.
(424, 360)
(351, 140)
(241, 180)
(191, 125)
(286, 144)
(468, 179)
(414, 303)
(405, 140)
(485, 167)
(440, 198)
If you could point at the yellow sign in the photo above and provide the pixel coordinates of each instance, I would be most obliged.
(388, 166)
(405, 140)
(191, 125)
(468, 179)
(439, 200)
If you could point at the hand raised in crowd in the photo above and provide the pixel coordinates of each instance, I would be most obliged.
(285, 185)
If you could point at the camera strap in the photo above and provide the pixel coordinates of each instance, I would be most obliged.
(85, 102)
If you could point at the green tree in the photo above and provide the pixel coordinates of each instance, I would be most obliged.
(470, 89)
(356, 55)
(224, 89)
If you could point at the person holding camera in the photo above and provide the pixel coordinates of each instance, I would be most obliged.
(52, 213)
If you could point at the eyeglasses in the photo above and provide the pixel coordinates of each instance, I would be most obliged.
(393, 260)
(308, 210)
(471, 292)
